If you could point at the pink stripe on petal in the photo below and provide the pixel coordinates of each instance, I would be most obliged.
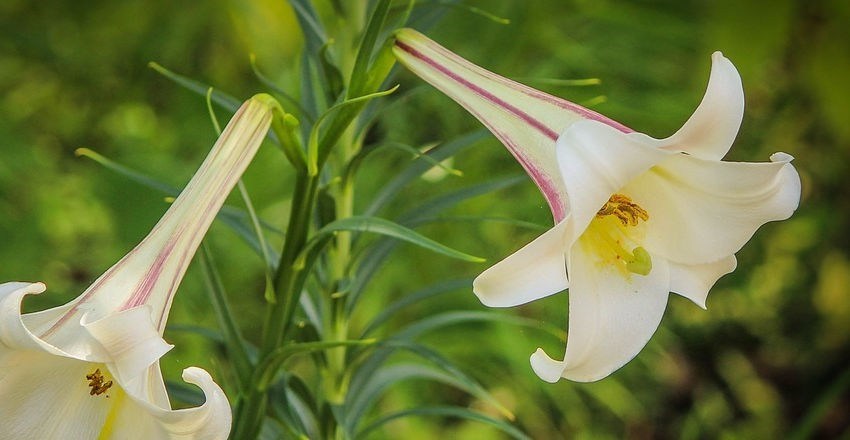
(536, 124)
(534, 93)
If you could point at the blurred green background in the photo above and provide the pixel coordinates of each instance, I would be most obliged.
(770, 357)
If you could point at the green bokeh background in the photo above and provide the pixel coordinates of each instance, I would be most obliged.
(770, 357)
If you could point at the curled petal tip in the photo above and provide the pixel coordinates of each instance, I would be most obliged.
(212, 419)
(781, 157)
(26, 287)
(546, 368)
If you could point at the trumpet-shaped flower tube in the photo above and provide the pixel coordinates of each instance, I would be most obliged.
(635, 217)
(90, 368)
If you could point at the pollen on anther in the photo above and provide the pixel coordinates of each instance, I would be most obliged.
(624, 209)
(97, 384)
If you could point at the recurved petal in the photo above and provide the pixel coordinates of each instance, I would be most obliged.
(612, 316)
(16, 334)
(141, 420)
(131, 339)
(210, 421)
(694, 281)
(535, 271)
(712, 128)
(13, 332)
(701, 211)
(597, 161)
(527, 121)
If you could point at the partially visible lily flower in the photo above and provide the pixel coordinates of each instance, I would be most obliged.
(635, 217)
(90, 368)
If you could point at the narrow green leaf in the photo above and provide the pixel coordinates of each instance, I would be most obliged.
(333, 77)
(363, 389)
(593, 102)
(435, 322)
(413, 298)
(470, 385)
(417, 216)
(385, 378)
(445, 411)
(360, 401)
(418, 167)
(292, 403)
(473, 10)
(234, 342)
(312, 96)
(204, 332)
(299, 110)
(314, 155)
(314, 34)
(445, 201)
(485, 219)
(360, 71)
(580, 82)
(272, 363)
(133, 175)
(822, 406)
(413, 151)
(226, 101)
(385, 227)
(234, 218)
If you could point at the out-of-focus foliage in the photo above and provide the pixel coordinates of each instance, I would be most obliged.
(770, 357)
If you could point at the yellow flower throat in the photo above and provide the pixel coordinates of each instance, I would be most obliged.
(612, 232)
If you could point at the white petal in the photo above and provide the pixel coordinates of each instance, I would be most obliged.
(47, 397)
(131, 339)
(701, 211)
(611, 318)
(46, 394)
(535, 271)
(694, 281)
(712, 128)
(210, 421)
(596, 161)
(15, 333)
(527, 121)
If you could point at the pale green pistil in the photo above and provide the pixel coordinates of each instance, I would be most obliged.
(612, 232)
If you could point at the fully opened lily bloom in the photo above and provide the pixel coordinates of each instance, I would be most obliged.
(90, 368)
(635, 217)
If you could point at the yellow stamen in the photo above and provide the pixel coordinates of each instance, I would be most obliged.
(613, 229)
(97, 383)
(622, 207)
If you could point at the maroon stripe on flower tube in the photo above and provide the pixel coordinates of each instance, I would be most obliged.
(546, 131)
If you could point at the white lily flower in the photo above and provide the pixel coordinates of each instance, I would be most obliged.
(635, 217)
(90, 368)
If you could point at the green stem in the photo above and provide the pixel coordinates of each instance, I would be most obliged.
(338, 331)
(336, 369)
(288, 283)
